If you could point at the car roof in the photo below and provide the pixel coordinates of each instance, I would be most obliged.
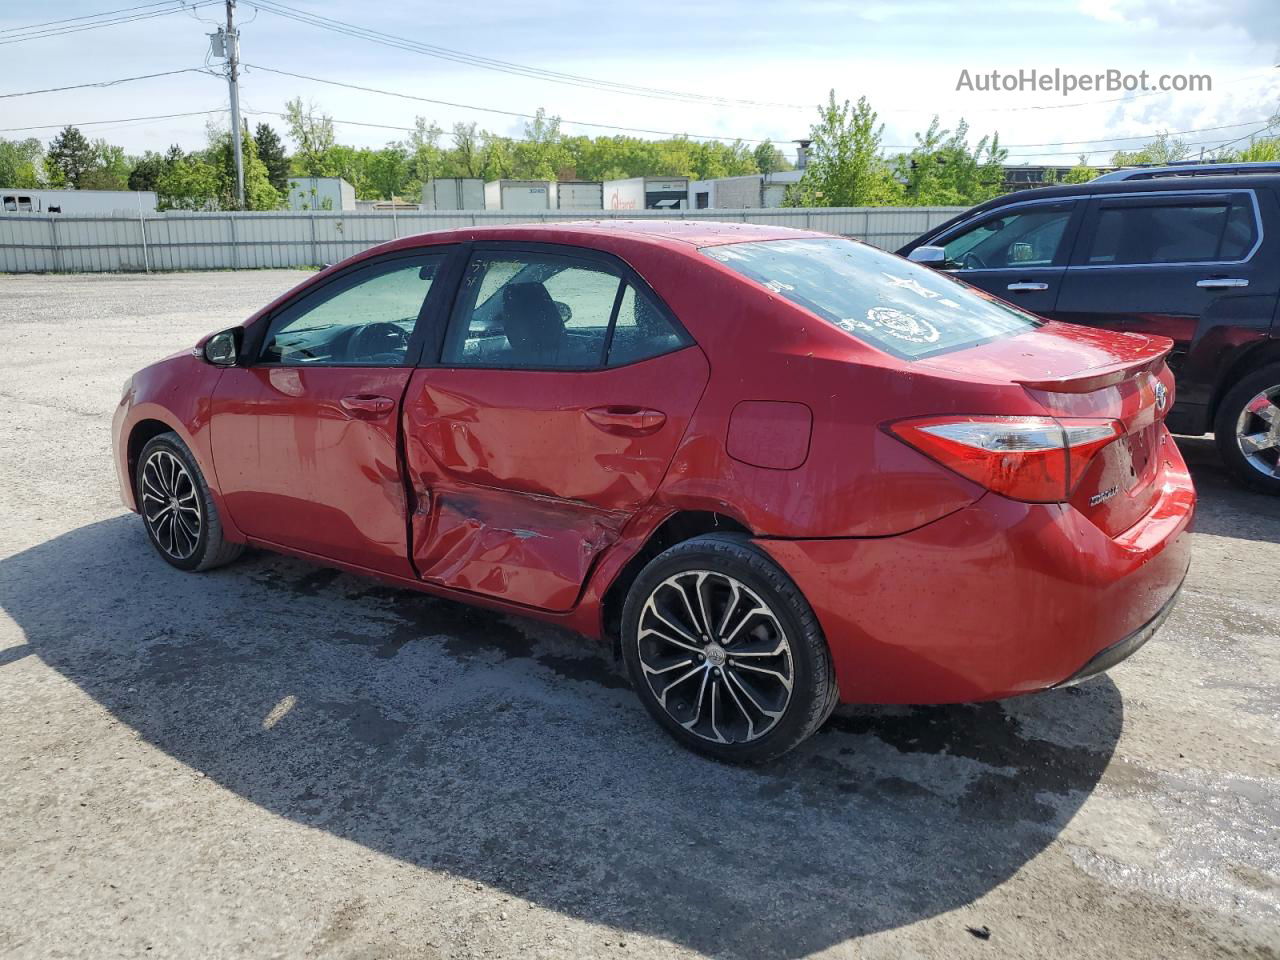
(1070, 191)
(690, 233)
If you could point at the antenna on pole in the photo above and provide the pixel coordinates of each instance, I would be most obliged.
(226, 43)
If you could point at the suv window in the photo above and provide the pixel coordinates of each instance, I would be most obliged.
(1030, 237)
(1188, 231)
(363, 319)
(544, 311)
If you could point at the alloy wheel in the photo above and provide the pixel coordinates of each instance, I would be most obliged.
(170, 505)
(715, 656)
(1258, 432)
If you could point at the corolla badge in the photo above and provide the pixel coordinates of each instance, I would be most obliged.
(1162, 395)
(1103, 496)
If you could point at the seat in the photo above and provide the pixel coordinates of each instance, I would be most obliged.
(533, 325)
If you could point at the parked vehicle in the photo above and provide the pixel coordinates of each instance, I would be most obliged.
(781, 468)
(1191, 252)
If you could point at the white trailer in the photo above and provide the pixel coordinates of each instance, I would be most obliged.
(92, 203)
(580, 195)
(647, 193)
(321, 193)
(453, 193)
(522, 196)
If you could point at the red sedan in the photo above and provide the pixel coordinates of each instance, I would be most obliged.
(782, 469)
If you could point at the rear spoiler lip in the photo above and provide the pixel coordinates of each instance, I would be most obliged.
(1108, 375)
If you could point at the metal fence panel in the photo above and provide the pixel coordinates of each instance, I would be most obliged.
(179, 240)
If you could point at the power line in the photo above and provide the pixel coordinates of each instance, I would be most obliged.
(87, 16)
(505, 113)
(95, 123)
(102, 83)
(505, 66)
(80, 28)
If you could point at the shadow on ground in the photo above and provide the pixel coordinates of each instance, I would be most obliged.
(1225, 508)
(503, 752)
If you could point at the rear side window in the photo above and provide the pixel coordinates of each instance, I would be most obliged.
(1190, 232)
(897, 306)
(546, 312)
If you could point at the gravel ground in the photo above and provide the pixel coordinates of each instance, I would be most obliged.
(278, 760)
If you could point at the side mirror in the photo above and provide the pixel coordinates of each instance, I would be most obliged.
(222, 349)
(934, 257)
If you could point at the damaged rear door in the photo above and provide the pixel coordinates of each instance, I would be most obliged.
(562, 391)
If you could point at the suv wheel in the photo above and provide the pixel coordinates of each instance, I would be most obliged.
(725, 652)
(1247, 430)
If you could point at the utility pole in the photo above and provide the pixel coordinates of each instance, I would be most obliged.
(233, 80)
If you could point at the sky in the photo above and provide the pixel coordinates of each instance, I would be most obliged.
(754, 69)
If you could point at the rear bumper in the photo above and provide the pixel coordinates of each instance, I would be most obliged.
(1104, 660)
(998, 599)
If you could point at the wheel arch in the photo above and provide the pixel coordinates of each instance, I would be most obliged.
(140, 434)
(680, 526)
(1262, 353)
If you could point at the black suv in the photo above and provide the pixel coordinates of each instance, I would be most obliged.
(1191, 252)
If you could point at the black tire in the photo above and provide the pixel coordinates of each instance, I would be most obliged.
(728, 559)
(208, 548)
(1226, 428)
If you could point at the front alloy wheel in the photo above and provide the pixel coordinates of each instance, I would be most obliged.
(170, 505)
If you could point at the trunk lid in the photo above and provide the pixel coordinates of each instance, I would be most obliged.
(1079, 372)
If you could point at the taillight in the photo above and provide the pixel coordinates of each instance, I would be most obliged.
(1036, 459)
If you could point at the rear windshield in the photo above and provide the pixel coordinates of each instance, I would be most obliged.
(897, 306)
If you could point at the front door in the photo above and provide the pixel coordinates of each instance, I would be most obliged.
(1018, 254)
(563, 389)
(305, 436)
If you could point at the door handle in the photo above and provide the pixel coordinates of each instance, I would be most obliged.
(1221, 283)
(627, 421)
(367, 406)
(1024, 285)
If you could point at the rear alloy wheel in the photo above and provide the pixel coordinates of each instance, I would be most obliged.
(725, 652)
(177, 508)
(1247, 430)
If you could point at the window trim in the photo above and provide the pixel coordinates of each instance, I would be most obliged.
(624, 271)
(259, 332)
(1098, 201)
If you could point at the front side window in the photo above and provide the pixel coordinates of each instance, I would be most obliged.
(894, 305)
(363, 319)
(543, 311)
(1027, 238)
(1191, 231)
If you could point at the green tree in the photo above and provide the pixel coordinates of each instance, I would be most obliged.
(272, 153)
(109, 170)
(21, 163)
(1162, 150)
(187, 183)
(259, 194)
(1081, 172)
(69, 156)
(769, 159)
(845, 167)
(312, 134)
(147, 171)
(426, 158)
(942, 169)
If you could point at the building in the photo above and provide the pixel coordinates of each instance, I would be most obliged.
(321, 194)
(647, 193)
(580, 195)
(1027, 176)
(80, 203)
(521, 196)
(453, 193)
(742, 193)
